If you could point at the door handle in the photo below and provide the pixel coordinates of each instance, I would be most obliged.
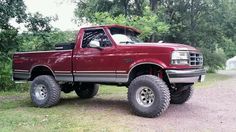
(77, 56)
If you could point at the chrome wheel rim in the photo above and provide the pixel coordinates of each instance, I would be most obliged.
(40, 92)
(145, 96)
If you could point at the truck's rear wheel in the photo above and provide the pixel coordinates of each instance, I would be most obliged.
(148, 96)
(45, 91)
(87, 90)
(67, 87)
(180, 97)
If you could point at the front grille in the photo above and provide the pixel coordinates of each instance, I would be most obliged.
(195, 59)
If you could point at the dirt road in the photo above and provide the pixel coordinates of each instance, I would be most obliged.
(210, 109)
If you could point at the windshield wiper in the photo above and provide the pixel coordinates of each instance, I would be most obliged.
(127, 42)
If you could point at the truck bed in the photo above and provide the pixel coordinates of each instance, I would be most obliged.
(58, 61)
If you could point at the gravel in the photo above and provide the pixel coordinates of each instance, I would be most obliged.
(210, 109)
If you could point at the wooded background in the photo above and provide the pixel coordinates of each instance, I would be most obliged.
(209, 25)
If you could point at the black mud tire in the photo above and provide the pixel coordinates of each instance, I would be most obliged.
(52, 94)
(87, 90)
(181, 97)
(160, 91)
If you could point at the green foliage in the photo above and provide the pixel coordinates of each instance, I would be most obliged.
(44, 41)
(8, 40)
(214, 60)
(87, 8)
(229, 46)
(149, 23)
(9, 9)
(6, 83)
(37, 23)
(40, 36)
(39, 29)
(5, 74)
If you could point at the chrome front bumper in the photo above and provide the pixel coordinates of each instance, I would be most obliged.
(186, 76)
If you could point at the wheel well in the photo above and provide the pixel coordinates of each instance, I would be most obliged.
(40, 70)
(145, 69)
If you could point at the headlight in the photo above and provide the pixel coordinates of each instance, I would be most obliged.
(180, 58)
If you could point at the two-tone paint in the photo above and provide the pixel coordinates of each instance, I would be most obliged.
(109, 65)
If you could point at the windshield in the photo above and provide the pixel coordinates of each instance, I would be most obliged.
(124, 36)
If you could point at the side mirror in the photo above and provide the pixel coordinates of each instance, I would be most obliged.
(94, 44)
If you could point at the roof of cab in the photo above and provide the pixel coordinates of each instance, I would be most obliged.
(114, 26)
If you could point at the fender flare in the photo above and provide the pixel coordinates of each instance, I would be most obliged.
(35, 66)
(144, 63)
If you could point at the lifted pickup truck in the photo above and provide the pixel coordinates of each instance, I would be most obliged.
(156, 74)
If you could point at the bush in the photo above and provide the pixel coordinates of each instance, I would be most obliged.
(6, 83)
(214, 61)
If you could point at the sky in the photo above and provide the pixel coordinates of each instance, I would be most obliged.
(64, 9)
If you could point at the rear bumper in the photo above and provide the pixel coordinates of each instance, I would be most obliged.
(186, 76)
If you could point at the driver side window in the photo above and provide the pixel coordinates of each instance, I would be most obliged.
(96, 35)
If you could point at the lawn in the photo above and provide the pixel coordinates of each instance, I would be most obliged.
(210, 79)
(108, 111)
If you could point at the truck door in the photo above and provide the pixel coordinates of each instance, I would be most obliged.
(95, 64)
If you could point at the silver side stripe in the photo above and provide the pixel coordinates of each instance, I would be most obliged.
(98, 74)
(94, 71)
(121, 71)
(21, 75)
(62, 71)
(100, 71)
(43, 51)
(119, 78)
(64, 77)
(19, 70)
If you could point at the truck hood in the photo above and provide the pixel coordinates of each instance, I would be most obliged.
(174, 46)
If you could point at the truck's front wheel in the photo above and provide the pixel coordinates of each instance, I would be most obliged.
(87, 90)
(45, 91)
(148, 96)
(180, 97)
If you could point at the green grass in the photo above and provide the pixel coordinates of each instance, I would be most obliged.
(72, 114)
(109, 111)
(210, 79)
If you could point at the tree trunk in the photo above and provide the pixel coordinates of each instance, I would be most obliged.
(153, 5)
(138, 5)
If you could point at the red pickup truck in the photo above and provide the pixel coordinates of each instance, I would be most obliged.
(156, 74)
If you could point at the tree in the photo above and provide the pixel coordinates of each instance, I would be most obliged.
(32, 42)
(149, 23)
(87, 8)
(40, 27)
(125, 12)
(11, 41)
(9, 9)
